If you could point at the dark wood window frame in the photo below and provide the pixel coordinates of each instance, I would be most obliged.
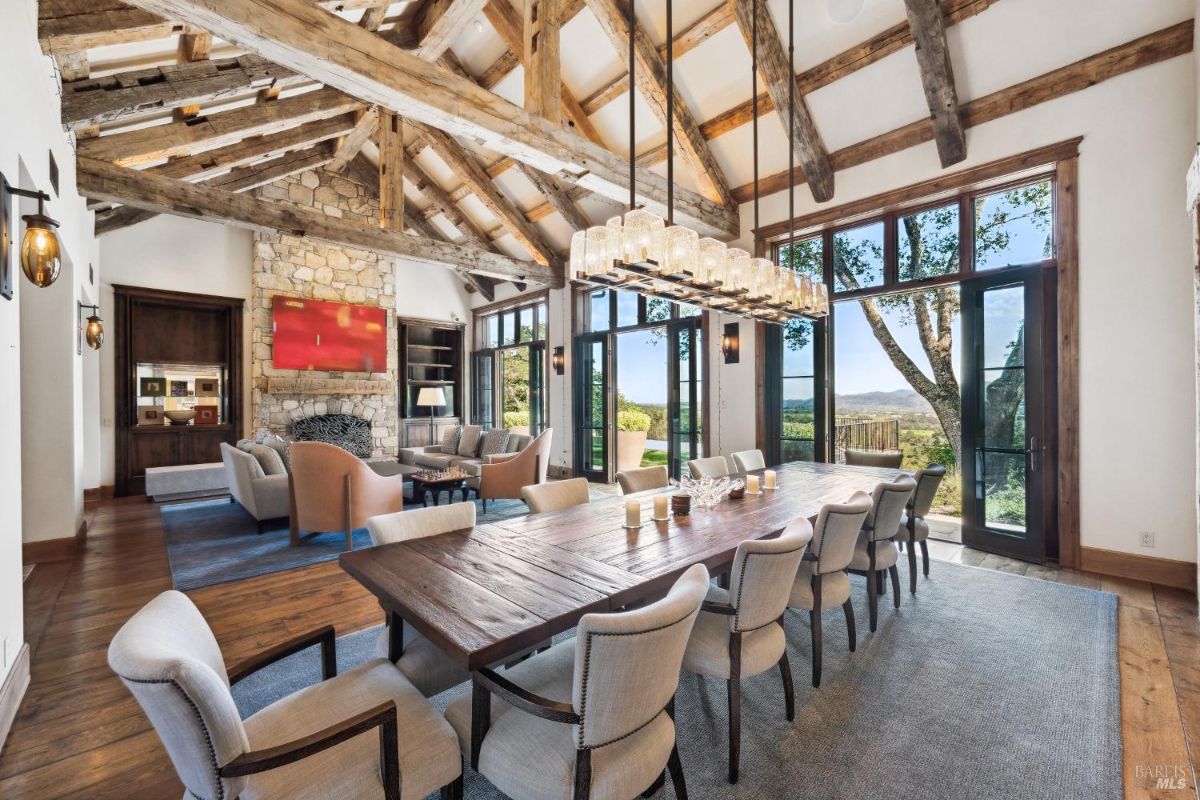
(1058, 162)
(502, 309)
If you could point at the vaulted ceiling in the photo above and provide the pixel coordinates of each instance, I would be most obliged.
(490, 145)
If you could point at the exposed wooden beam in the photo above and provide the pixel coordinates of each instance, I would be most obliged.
(352, 143)
(557, 196)
(193, 46)
(341, 54)
(181, 138)
(391, 172)
(441, 202)
(103, 181)
(652, 84)
(1141, 52)
(73, 65)
(776, 72)
(543, 65)
(439, 22)
(372, 18)
(511, 59)
(937, 76)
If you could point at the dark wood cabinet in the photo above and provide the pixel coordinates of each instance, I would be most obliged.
(162, 327)
(431, 354)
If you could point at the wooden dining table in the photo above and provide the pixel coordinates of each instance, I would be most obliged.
(488, 594)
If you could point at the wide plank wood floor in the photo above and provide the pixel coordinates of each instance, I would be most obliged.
(80, 734)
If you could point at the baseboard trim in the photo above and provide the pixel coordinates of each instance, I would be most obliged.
(12, 692)
(94, 496)
(1163, 571)
(54, 549)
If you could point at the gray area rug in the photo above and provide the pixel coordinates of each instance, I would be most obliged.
(985, 685)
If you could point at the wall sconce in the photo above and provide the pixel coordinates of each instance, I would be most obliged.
(41, 256)
(731, 342)
(92, 331)
(558, 360)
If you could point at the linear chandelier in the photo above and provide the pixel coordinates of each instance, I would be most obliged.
(644, 253)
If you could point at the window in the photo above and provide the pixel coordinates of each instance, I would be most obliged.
(599, 316)
(858, 258)
(806, 256)
(798, 423)
(928, 243)
(508, 383)
(627, 309)
(1014, 227)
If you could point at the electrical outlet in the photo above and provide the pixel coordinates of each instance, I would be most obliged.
(1147, 539)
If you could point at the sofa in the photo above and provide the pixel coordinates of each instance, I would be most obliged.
(263, 495)
(467, 447)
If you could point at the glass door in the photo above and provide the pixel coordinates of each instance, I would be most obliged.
(684, 409)
(1006, 452)
(592, 408)
(537, 388)
(483, 372)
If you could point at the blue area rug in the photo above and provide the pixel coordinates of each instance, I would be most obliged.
(983, 685)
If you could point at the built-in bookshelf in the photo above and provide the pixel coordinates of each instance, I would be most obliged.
(431, 354)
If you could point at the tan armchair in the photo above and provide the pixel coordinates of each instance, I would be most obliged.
(503, 476)
(333, 490)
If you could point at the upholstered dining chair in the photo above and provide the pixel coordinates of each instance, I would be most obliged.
(421, 661)
(712, 467)
(556, 495)
(875, 552)
(739, 633)
(822, 582)
(503, 476)
(642, 480)
(367, 733)
(913, 527)
(874, 458)
(592, 716)
(334, 490)
(748, 460)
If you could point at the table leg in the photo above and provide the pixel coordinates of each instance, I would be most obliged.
(395, 626)
(481, 719)
(436, 494)
(424, 497)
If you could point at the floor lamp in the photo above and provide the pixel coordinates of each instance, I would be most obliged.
(431, 396)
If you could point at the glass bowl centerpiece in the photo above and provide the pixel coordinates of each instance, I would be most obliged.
(706, 493)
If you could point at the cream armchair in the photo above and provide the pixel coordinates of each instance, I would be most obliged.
(334, 490)
(503, 476)
(264, 497)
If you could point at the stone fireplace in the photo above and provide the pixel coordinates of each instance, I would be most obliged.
(297, 267)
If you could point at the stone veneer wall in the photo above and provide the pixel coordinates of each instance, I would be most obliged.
(296, 267)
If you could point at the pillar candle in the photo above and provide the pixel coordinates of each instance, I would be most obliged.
(769, 479)
(633, 514)
(752, 484)
(660, 506)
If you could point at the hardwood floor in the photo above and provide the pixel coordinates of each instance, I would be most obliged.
(80, 734)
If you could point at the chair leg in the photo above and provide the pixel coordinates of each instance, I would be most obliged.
(912, 568)
(894, 572)
(675, 767)
(453, 791)
(880, 587)
(873, 586)
(814, 624)
(734, 693)
(848, 607)
(789, 692)
(925, 557)
(583, 774)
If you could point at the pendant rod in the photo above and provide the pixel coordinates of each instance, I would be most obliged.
(791, 132)
(754, 93)
(670, 115)
(632, 22)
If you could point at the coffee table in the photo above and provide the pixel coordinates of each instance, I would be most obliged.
(434, 482)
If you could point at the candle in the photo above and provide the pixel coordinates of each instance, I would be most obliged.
(752, 484)
(633, 514)
(769, 479)
(660, 506)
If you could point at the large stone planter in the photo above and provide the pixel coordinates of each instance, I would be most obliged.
(630, 447)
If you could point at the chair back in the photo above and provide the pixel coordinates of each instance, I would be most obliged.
(319, 472)
(928, 480)
(627, 664)
(713, 467)
(874, 458)
(168, 658)
(764, 571)
(888, 502)
(421, 522)
(240, 470)
(556, 495)
(836, 533)
(748, 460)
(641, 480)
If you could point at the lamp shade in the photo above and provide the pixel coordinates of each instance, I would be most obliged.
(431, 396)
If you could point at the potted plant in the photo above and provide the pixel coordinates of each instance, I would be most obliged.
(517, 422)
(631, 438)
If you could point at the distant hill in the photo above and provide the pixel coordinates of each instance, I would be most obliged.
(898, 401)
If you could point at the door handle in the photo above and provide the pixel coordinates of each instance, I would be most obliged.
(1035, 454)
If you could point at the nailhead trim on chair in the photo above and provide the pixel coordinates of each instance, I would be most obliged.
(741, 583)
(212, 753)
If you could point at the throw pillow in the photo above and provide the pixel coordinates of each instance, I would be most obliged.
(450, 440)
(494, 442)
(469, 443)
(280, 446)
(268, 458)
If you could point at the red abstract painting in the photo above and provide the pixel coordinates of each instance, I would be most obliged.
(331, 337)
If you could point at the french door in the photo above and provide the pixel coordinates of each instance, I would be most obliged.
(592, 390)
(685, 394)
(1007, 435)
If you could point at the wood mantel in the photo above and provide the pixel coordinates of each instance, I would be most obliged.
(326, 386)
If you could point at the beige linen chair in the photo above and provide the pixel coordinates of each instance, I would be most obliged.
(421, 661)
(822, 582)
(592, 716)
(326, 740)
(713, 467)
(913, 527)
(556, 495)
(503, 476)
(334, 490)
(265, 497)
(642, 480)
(873, 458)
(739, 632)
(875, 552)
(748, 460)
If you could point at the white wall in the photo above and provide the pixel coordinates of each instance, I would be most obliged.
(29, 86)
